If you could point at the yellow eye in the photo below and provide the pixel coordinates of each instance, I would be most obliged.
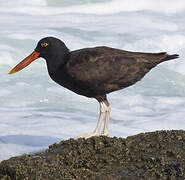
(44, 44)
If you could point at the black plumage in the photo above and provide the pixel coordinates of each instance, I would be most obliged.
(95, 72)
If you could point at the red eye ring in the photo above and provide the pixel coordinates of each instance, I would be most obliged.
(44, 44)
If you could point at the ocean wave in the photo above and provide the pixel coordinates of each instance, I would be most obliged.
(89, 7)
(117, 6)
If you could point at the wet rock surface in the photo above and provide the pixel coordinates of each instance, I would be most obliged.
(155, 155)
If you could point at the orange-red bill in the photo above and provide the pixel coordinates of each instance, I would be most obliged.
(33, 56)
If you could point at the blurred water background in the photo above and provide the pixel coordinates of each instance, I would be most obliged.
(36, 112)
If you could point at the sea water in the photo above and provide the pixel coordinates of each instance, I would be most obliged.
(36, 112)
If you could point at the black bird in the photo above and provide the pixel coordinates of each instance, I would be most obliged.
(93, 72)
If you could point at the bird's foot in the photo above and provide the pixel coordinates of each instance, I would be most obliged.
(86, 136)
(104, 134)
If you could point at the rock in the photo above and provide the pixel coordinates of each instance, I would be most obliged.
(155, 155)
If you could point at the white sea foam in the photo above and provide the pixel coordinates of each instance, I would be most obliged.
(35, 111)
(22, 3)
(117, 6)
(106, 7)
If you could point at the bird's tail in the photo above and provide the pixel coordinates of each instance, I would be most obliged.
(169, 57)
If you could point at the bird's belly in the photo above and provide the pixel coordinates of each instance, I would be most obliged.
(80, 89)
(97, 88)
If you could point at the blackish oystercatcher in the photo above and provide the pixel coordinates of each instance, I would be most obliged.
(93, 72)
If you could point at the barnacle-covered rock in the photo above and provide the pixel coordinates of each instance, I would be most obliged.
(154, 155)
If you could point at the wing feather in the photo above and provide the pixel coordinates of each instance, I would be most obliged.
(104, 65)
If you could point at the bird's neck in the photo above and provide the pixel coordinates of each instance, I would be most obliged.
(57, 60)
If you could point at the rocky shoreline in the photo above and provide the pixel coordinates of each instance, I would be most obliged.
(153, 155)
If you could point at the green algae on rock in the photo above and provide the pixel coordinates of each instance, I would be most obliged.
(155, 155)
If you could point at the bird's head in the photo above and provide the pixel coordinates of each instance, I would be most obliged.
(49, 48)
